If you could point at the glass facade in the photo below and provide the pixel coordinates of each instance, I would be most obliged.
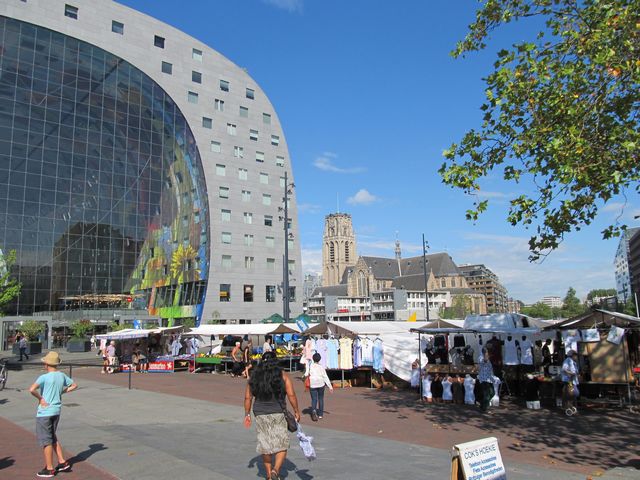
(102, 193)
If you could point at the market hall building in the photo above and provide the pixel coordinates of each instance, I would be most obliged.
(141, 172)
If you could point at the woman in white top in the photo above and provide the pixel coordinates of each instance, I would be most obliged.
(267, 347)
(318, 378)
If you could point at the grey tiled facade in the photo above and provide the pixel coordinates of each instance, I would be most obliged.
(240, 143)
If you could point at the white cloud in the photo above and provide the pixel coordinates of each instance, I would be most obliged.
(488, 194)
(613, 207)
(362, 197)
(507, 256)
(291, 6)
(312, 260)
(309, 208)
(325, 162)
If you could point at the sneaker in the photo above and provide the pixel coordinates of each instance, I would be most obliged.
(314, 416)
(63, 467)
(46, 473)
(274, 475)
(319, 417)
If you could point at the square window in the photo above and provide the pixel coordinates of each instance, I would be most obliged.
(226, 261)
(71, 11)
(219, 105)
(248, 293)
(225, 215)
(246, 196)
(192, 97)
(244, 112)
(224, 85)
(269, 242)
(248, 262)
(207, 122)
(275, 140)
(266, 119)
(271, 264)
(220, 170)
(117, 27)
(260, 157)
(196, 77)
(225, 292)
(248, 218)
(167, 67)
(238, 152)
(292, 294)
(225, 237)
(270, 293)
(280, 161)
(251, 94)
(281, 182)
(248, 240)
(243, 174)
(231, 129)
(264, 178)
(158, 41)
(223, 192)
(268, 222)
(196, 54)
(266, 199)
(216, 146)
(253, 135)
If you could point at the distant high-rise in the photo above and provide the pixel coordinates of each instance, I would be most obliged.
(338, 248)
(621, 264)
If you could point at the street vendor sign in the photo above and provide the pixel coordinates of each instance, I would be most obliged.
(478, 460)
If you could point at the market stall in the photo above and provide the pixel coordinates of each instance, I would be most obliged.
(154, 343)
(207, 333)
(607, 344)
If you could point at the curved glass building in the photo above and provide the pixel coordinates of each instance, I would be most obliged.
(138, 168)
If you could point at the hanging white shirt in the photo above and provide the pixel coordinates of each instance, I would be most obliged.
(526, 354)
(511, 352)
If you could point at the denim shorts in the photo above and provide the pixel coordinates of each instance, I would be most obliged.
(46, 430)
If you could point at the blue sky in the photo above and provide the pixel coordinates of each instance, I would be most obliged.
(368, 97)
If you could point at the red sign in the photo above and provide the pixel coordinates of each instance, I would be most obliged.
(161, 366)
(343, 310)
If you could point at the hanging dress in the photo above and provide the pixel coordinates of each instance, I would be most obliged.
(469, 384)
(332, 354)
(378, 356)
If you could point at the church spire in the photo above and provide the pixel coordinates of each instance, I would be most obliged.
(398, 255)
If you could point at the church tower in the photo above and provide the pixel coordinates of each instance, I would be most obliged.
(338, 248)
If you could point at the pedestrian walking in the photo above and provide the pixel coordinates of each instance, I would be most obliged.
(22, 346)
(48, 389)
(318, 378)
(569, 376)
(238, 365)
(485, 378)
(267, 390)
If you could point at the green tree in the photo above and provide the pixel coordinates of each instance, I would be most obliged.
(630, 308)
(460, 308)
(561, 115)
(571, 305)
(32, 328)
(538, 310)
(9, 286)
(601, 292)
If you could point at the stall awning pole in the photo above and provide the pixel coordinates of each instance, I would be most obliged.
(420, 365)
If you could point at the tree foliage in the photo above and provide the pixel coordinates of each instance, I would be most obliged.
(9, 286)
(601, 293)
(571, 305)
(460, 308)
(540, 310)
(561, 115)
(32, 328)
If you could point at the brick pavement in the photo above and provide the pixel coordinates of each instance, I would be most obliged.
(543, 437)
(25, 457)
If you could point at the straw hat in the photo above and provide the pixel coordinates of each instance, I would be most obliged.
(51, 358)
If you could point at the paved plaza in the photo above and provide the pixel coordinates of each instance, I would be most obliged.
(190, 426)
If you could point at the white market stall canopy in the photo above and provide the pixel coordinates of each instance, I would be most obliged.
(361, 328)
(244, 329)
(130, 333)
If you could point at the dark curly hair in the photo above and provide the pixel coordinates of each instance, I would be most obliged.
(266, 381)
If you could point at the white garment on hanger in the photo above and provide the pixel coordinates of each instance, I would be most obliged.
(469, 395)
(511, 352)
(526, 354)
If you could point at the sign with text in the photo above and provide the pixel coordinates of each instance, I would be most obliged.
(161, 366)
(478, 460)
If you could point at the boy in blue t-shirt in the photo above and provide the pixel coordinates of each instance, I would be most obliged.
(48, 389)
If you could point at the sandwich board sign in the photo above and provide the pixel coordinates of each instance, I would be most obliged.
(478, 460)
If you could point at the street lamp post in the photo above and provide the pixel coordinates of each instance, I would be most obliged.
(425, 245)
(285, 270)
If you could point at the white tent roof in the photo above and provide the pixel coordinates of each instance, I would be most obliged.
(246, 329)
(362, 328)
(129, 333)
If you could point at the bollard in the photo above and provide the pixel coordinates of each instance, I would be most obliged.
(71, 371)
(130, 377)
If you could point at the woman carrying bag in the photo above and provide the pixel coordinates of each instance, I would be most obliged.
(267, 389)
(316, 382)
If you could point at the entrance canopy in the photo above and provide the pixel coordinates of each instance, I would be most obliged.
(361, 328)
